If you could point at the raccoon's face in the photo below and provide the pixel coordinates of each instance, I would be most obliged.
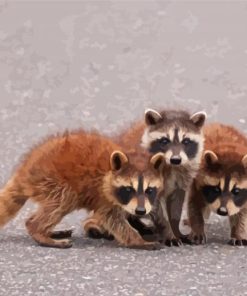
(175, 133)
(225, 193)
(134, 190)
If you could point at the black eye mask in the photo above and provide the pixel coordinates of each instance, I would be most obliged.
(151, 192)
(211, 193)
(159, 145)
(189, 147)
(239, 196)
(124, 194)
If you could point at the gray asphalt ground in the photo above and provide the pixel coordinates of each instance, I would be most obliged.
(99, 65)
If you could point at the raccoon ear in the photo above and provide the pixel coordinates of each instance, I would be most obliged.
(117, 160)
(210, 157)
(198, 118)
(157, 160)
(152, 117)
(244, 161)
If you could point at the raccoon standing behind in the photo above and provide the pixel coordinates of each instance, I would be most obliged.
(179, 136)
(82, 170)
(221, 185)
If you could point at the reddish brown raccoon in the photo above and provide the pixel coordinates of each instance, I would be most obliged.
(221, 184)
(81, 170)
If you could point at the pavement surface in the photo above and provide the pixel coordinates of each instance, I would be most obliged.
(66, 64)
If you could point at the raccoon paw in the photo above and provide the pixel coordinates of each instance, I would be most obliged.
(197, 238)
(60, 234)
(154, 246)
(176, 242)
(61, 244)
(96, 234)
(237, 242)
(186, 240)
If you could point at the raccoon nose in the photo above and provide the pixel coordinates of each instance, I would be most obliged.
(175, 160)
(222, 211)
(140, 211)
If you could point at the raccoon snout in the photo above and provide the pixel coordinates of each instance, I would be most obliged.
(176, 160)
(140, 211)
(222, 211)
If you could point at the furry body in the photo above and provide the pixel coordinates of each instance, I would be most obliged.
(221, 185)
(80, 170)
(178, 135)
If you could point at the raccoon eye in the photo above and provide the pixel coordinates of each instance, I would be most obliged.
(124, 194)
(235, 191)
(216, 189)
(129, 189)
(149, 190)
(186, 141)
(164, 141)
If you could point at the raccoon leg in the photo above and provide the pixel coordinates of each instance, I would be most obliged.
(196, 221)
(147, 231)
(174, 207)
(238, 225)
(115, 222)
(40, 226)
(163, 226)
(93, 229)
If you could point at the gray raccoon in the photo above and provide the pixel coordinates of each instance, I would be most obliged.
(179, 136)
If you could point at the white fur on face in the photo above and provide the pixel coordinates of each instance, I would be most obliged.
(232, 208)
(148, 137)
(211, 181)
(215, 205)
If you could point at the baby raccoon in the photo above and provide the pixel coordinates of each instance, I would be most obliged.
(178, 135)
(221, 185)
(83, 170)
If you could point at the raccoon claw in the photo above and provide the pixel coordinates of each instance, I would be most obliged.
(237, 242)
(197, 239)
(176, 242)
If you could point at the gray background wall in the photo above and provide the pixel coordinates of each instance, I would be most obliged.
(99, 64)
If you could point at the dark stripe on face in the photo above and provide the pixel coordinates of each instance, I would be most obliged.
(124, 194)
(211, 193)
(191, 149)
(140, 194)
(176, 138)
(140, 185)
(226, 185)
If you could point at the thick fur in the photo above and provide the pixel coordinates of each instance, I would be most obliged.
(221, 185)
(175, 125)
(73, 171)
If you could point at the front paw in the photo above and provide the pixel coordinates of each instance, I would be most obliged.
(197, 238)
(237, 242)
(149, 246)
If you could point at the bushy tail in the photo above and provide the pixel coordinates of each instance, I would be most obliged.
(11, 201)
